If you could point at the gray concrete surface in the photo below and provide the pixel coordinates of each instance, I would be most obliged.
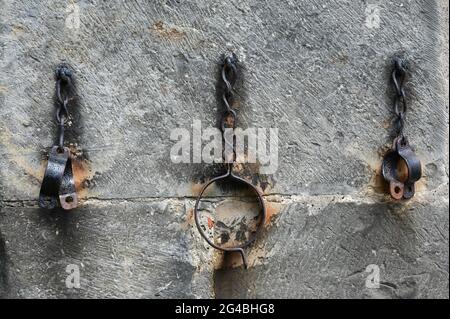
(123, 250)
(317, 70)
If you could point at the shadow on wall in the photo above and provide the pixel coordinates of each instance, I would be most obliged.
(3, 267)
(70, 238)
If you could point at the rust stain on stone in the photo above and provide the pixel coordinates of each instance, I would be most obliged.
(272, 209)
(386, 124)
(212, 189)
(379, 186)
(17, 30)
(82, 174)
(22, 158)
(190, 216)
(196, 188)
(210, 223)
(377, 183)
(166, 32)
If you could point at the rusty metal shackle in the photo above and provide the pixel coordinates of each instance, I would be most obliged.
(262, 214)
(229, 76)
(401, 151)
(58, 186)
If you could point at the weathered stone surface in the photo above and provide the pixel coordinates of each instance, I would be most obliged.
(123, 250)
(321, 249)
(316, 70)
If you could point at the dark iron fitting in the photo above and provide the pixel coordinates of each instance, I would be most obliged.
(68, 198)
(401, 187)
(228, 121)
(53, 176)
(240, 249)
(58, 186)
(401, 184)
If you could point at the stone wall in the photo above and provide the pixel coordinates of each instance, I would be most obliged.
(316, 70)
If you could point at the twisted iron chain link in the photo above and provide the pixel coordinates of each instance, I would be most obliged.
(63, 95)
(228, 121)
(400, 105)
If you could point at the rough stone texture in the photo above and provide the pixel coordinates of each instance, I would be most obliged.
(126, 250)
(317, 70)
(321, 250)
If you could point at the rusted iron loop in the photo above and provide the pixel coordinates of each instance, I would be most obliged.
(229, 78)
(401, 152)
(240, 249)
